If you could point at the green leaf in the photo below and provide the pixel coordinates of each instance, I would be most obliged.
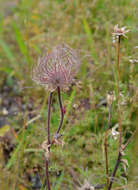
(59, 181)
(6, 70)
(20, 148)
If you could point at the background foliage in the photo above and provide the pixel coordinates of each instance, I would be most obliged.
(27, 28)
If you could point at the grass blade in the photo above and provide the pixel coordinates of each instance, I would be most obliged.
(20, 41)
(7, 52)
(59, 181)
(90, 39)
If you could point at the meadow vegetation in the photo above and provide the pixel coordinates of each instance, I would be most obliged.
(27, 29)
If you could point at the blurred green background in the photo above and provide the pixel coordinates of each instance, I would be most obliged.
(27, 28)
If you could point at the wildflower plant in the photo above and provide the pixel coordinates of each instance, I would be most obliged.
(117, 34)
(55, 71)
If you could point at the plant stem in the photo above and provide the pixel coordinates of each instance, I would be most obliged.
(119, 117)
(48, 132)
(47, 174)
(118, 92)
(115, 170)
(61, 111)
(106, 144)
(49, 114)
(48, 129)
(123, 147)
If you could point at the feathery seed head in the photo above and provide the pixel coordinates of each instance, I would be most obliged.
(57, 68)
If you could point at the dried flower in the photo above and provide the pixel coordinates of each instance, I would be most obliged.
(56, 68)
(120, 31)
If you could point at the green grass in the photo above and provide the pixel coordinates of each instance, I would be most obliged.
(27, 28)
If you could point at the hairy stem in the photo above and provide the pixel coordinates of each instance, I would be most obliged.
(118, 92)
(106, 144)
(61, 111)
(48, 132)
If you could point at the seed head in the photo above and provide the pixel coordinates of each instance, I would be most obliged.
(57, 68)
(120, 31)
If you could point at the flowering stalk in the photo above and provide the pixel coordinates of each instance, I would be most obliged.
(118, 33)
(49, 113)
(48, 132)
(119, 117)
(118, 92)
(119, 112)
(61, 111)
(55, 71)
